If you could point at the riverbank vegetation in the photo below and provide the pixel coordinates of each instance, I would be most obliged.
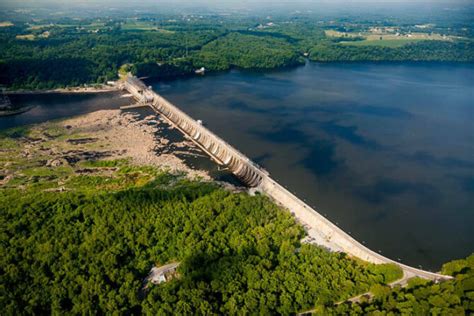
(66, 51)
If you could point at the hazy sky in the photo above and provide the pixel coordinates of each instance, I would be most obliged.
(224, 4)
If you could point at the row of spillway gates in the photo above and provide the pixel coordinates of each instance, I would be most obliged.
(223, 153)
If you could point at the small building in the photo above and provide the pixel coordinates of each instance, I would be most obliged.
(163, 274)
(200, 71)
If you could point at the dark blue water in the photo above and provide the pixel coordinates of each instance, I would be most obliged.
(55, 106)
(386, 151)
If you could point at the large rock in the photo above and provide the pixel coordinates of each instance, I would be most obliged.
(56, 162)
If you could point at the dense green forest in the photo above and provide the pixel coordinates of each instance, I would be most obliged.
(90, 252)
(62, 52)
(250, 51)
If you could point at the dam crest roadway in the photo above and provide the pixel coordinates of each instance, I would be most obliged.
(320, 230)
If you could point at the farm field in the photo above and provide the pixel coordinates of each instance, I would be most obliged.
(143, 26)
(28, 37)
(6, 24)
(386, 39)
(392, 43)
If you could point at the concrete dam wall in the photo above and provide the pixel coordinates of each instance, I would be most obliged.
(223, 153)
(320, 230)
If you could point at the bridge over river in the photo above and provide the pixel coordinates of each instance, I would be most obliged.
(320, 230)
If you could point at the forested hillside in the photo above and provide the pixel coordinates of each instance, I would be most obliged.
(90, 252)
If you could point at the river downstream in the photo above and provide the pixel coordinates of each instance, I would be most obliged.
(385, 151)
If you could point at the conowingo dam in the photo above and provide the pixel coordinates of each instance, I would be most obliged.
(320, 230)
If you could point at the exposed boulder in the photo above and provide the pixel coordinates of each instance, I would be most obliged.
(56, 162)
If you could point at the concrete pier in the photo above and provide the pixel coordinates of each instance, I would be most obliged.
(133, 106)
(322, 231)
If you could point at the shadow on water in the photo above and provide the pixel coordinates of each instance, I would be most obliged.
(191, 155)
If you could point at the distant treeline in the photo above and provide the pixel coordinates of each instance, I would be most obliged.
(438, 51)
(68, 57)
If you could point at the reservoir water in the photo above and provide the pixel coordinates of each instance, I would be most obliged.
(59, 105)
(386, 151)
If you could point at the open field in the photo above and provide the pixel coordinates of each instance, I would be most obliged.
(412, 36)
(333, 33)
(143, 26)
(6, 24)
(386, 39)
(28, 37)
(87, 27)
(35, 27)
(32, 37)
(39, 26)
(383, 42)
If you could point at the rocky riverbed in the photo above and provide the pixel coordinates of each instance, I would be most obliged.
(36, 153)
(125, 135)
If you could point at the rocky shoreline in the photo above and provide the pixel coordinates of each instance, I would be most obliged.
(98, 89)
(60, 150)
